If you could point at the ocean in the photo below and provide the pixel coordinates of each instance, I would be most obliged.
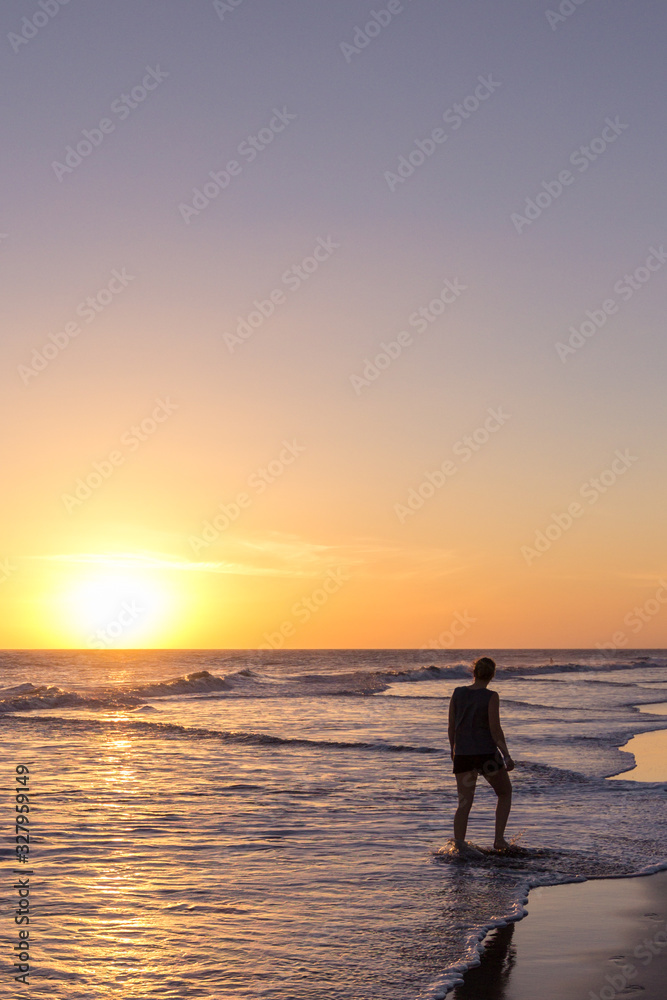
(245, 824)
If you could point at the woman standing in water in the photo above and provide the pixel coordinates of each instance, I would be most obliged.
(477, 742)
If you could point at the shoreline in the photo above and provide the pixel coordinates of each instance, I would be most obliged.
(585, 941)
(649, 750)
(589, 940)
(562, 942)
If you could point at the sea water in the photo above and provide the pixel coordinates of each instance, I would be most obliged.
(275, 825)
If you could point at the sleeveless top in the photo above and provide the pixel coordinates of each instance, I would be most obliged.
(471, 714)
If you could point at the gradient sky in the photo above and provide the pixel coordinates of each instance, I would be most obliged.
(329, 551)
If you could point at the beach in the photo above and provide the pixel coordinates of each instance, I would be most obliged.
(598, 940)
(650, 753)
(333, 379)
(276, 824)
(593, 941)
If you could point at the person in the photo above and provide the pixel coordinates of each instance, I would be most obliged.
(477, 741)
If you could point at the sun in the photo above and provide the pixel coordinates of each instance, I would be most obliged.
(123, 600)
(110, 609)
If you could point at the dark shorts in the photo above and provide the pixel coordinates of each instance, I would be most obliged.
(483, 763)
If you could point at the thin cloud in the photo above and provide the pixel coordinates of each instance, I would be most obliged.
(283, 556)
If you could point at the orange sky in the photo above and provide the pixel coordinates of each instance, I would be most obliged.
(328, 408)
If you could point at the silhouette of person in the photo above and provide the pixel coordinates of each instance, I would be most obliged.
(478, 747)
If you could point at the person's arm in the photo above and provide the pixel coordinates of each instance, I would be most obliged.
(452, 725)
(497, 731)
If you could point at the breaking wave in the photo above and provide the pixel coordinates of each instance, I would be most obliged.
(254, 683)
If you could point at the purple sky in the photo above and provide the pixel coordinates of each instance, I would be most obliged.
(318, 132)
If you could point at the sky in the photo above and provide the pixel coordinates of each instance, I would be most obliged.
(333, 324)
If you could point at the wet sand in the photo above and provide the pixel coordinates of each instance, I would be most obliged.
(597, 940)
(650, 753)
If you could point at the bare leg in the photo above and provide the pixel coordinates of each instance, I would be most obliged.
(502, 786)
(465, 783)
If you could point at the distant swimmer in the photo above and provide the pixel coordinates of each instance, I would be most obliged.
(477, 741)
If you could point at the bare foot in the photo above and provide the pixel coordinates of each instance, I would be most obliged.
(501, 845)
(466, 848)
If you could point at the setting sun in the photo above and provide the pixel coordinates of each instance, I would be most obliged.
(333, 396)
(112, 602)
(118, 609)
